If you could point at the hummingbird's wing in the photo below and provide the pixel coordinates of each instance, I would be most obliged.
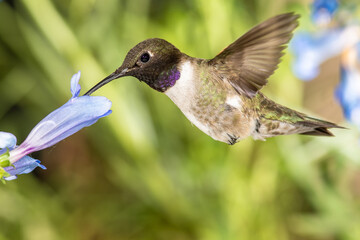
(250, 60)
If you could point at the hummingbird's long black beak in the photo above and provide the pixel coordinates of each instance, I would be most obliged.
(114, 75)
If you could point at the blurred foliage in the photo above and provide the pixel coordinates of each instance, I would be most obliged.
(145, 172)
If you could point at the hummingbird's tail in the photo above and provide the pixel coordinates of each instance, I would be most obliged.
(319, 127)
(275, 119)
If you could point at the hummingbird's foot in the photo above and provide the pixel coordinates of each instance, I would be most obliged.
(233, 139)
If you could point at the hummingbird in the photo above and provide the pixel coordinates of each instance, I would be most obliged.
(221, 96)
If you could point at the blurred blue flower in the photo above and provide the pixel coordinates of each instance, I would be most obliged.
(323, 11)
(312, 49)
(348, 91)
(77, 113)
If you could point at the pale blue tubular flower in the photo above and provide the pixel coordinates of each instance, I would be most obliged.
(77, 113)
(312, 49)
(348, 91)
(323, 11)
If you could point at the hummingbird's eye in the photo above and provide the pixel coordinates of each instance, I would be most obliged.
(145, 57)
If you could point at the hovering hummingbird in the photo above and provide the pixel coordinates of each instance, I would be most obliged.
(221, 95)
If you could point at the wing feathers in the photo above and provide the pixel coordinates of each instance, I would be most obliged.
(250, 60)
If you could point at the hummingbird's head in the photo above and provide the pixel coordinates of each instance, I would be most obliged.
(152, 61)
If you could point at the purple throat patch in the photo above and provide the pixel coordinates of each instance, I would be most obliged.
(168, 78)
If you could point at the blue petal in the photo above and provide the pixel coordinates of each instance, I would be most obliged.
(311, 50)
(7, 140)
(327, 5)
(348, 93)
(75, 86)
(74, 115)
(323, 10)
(24, 165)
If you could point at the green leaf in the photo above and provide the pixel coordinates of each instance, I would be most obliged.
(4, 159)
(3, 174)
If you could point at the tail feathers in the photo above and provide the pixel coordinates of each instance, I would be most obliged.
(319, 127)
(275, 119)
(321, 131)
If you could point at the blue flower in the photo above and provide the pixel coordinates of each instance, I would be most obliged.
(323, 10)
(348, 91)
(312, 49)
(77, 113)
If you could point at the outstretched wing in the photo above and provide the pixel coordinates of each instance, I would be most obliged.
(250, 60)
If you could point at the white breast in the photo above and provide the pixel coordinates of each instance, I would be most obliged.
(184, 87)
(183, 92)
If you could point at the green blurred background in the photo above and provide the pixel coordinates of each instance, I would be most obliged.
(145, 172)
